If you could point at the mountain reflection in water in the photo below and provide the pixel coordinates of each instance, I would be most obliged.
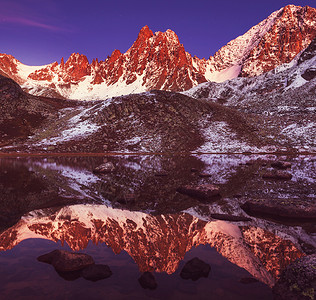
(62, 200)
(156, 243)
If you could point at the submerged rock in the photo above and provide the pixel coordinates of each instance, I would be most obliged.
(195, 269)
(104, 168)
(96, 272)
(281, 165)
(230, 218)
(201, 192)
(281, 208)
(248, 280)
(70, 276)
(66, 261)
(297, 281)
(147, 281)
(278, 175)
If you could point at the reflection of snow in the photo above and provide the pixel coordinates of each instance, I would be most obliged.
(222, 166)
(304, 169)
(79, 180)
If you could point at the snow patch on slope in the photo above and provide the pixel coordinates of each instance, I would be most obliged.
(221, 76)
(219, 138)
(76, 128)
(24, 70)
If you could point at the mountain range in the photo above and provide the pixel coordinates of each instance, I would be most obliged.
(263, 100)
(159, 61)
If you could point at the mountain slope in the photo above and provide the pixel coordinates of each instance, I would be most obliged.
(274, 41)
(159, 61)
(284, 97)
(158, 121)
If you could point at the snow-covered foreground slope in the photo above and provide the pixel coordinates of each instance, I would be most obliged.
(155, 242)
(158, 121)
(159, 61)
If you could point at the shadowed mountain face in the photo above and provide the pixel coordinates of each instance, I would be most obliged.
(22, 113)
(159, 61)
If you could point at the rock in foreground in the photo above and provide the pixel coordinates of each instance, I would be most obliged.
(148, 281)
(202, 192)
(104, 168)
(65, 261)
(96, 272)
(282, 165)
(195, 269)
(277, 175)
(281, 208)
(231, 218)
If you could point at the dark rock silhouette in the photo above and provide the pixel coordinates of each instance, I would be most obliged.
(281, 165)
(71, 266)
(70, 276)
(230, 218)
(195, 269)
(296, 209)
(66, 261)
(147, 281)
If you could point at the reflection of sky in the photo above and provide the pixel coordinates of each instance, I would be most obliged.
(222, 282)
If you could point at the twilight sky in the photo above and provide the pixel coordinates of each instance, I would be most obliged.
(39, 32)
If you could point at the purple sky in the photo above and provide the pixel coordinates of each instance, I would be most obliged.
(39, 32)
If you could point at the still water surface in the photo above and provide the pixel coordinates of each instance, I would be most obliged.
(134, 220)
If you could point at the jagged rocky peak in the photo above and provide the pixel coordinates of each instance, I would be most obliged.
(8, 63)
(76, 58)
(77, 66)
(145, 33)
(291, 32)
(152, 53)
(115, 55)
